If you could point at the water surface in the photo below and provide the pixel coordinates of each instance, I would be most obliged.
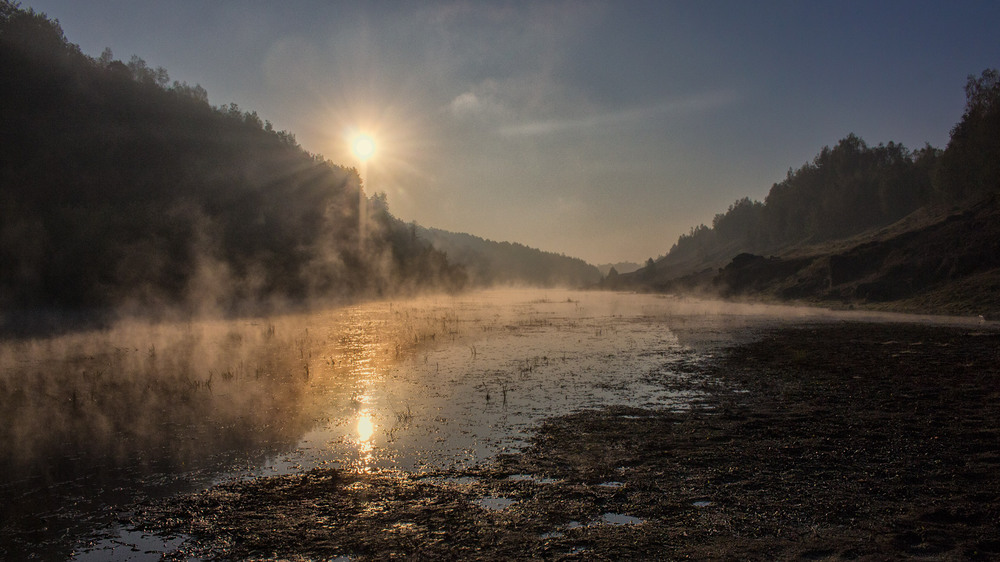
(93, 421)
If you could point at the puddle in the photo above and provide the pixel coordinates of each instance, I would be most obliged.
(606, 519)
(494, 503)
(611, 484)
(701, 503)
(532, 478)
(125, 545)
(619, 519)
(552, 535)
(452, 480)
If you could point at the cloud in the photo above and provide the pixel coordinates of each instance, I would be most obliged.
(672, 108)
(472, 105)
(464, 104)
(479, 102)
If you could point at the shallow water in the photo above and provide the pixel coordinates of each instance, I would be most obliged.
(498, 365)
(94, 421)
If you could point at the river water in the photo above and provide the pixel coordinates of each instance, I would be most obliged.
(95, 421)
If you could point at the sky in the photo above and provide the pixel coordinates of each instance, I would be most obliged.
(597, 129)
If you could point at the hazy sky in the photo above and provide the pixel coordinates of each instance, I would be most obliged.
(602, 130)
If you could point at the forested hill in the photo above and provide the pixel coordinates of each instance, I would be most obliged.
(118, 187)
(491, 263)
(858, 200)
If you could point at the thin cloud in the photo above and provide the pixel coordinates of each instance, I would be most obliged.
(680, 107)
(480, 102)
(467, 103)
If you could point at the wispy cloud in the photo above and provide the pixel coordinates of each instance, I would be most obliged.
(678, 107)
(478, 102)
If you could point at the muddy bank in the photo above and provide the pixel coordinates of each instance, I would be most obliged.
(846, 441)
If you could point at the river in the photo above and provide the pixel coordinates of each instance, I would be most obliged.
(94, 421)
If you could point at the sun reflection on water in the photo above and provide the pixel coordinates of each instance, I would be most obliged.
(440, 382)
(366, 445)
(366, 428)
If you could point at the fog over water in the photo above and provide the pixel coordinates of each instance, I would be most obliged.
(94, 420)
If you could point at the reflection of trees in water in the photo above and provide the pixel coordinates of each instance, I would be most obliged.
(133, 402)
(158, 396)
(164, 396)
(92, 420)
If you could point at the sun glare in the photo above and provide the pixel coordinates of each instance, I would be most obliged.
(363, 146)
(366, 428)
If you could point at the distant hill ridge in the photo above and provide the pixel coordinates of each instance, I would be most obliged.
(619, 267)
(489, 263)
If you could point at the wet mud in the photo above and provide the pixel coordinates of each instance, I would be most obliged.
(826, 441)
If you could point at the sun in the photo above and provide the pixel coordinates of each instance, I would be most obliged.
(363, 147)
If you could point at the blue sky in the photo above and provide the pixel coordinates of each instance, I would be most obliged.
(602, 130)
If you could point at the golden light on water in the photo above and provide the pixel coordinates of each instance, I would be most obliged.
(366, 428)
(366, 446)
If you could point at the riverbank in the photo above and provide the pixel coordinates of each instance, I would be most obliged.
(839, 441)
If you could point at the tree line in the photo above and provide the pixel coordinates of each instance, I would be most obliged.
(118, 187)
(854, 187)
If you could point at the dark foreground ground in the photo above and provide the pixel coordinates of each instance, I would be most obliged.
(848, 441)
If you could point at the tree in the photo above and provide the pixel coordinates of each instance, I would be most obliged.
(107, 56)
(970, 165)
(741, 222)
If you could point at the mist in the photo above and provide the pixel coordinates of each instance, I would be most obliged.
(96, 396)
(175, 393)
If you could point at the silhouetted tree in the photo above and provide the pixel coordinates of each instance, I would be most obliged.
(117, 188)
(741, 222)
(970, 165)
(845, 190)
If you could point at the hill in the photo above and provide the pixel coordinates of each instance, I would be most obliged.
(619, 267)
(119, 189)
(489, 263)
(882, 227)
(950, 265)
